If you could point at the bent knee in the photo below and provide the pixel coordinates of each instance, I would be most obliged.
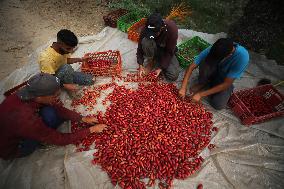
(217, 104)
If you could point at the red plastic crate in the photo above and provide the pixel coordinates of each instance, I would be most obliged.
(112, 17)
(15, 89)
(135, 30)
(268, 96)
(107, 63)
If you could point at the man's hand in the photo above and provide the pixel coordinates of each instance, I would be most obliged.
(197, 97)
(185, 80)
(90, 120)
(147, 70)
(85, 58)
(75, 60)
(158, 71)
(71, 87)
(141, 71)
(98, 128)
(182, 92)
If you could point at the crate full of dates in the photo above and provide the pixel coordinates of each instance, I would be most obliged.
(188, 49)
(126, 21)
(257, 104)
(111, 18)
(107, 63)
(135, 30)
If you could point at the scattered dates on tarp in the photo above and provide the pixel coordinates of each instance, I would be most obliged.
(152, 136)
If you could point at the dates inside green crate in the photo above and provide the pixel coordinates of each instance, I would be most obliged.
(128, 20)
(188, 49)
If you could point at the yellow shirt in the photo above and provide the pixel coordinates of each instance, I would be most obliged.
(50, 60)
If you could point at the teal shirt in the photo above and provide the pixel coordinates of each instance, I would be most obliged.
(233, 66)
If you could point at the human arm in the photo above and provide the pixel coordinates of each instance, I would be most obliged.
(216, 89)
(90, 120)
(187, 75)
(198, 59)
(34, 128)
(74, 60)
(171, 42)
(74, 116)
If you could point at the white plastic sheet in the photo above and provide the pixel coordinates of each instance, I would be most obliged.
(245, 157)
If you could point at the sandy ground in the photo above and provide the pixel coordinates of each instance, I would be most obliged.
(28, 24)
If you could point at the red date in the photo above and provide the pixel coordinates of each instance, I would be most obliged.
(151, 133)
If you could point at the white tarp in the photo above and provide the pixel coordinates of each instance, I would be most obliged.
(245, 157)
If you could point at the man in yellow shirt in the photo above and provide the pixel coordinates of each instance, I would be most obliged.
(55, 60)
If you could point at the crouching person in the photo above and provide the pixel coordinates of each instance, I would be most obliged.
(158, 44)
(32, 115)
(219, 66)
(56, 60)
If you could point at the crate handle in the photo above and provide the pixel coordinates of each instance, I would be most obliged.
(280, 83)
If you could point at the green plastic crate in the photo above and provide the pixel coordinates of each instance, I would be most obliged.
(128, 20)
(189, 49)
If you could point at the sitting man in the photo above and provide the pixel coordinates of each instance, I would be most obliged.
(56, 60)
(32, 115)
(158, 44)
(219, 66)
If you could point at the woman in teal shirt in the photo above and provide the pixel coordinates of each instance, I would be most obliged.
(219, 65)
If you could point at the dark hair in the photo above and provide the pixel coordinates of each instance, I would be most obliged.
(263, 81)
(67, 37)
(219, 50)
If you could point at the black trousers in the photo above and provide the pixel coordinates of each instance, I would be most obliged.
(211, 77)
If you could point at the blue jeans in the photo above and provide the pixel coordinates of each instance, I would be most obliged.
(66, 74)
(51, 119)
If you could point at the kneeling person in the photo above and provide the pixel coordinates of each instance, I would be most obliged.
(56, 60)
(158, 44)
(219, 65)
(31, 116)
